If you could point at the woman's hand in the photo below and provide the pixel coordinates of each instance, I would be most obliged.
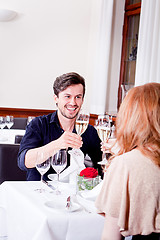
(107, 146)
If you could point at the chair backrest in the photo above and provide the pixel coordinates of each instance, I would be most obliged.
(19, 123)
(18, 139)
(152, 236)
(9, 170)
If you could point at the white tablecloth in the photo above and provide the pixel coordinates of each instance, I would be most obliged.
(8, 135)
(28, 218)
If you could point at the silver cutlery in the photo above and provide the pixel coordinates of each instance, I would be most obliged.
(68, 205)
(49, 185)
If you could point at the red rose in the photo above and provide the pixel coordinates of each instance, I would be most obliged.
(89, 172)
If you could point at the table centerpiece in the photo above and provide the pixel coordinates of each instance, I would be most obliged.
(87, 179)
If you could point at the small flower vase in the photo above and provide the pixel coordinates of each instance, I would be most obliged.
(84, 183)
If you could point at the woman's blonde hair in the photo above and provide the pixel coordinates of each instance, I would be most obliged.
(138, 121)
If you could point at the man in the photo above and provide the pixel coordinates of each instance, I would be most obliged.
(56, 131)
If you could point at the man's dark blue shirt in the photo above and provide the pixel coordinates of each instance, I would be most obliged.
(44, 129)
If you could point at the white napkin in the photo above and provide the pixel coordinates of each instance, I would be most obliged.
(76, 165)
(92, 194)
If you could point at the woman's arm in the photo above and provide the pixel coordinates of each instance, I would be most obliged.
(111, 229)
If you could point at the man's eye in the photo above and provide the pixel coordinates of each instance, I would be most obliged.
(66, 96)
(78, 97)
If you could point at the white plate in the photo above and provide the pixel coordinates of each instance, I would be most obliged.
(53, 177)
(61, 206)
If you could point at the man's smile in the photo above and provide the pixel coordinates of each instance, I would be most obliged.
(71, 108)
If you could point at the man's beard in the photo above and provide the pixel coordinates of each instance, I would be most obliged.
(65, 115)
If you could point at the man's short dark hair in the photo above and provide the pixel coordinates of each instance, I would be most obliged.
(66, 80)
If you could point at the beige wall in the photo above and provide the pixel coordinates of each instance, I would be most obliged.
(49, 38)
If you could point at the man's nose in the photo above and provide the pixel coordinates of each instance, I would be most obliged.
(73, 101)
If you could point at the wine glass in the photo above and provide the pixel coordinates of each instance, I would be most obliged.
(58, 163)
(3, 138)
(81, 123)
(42, 165)
(103, 128)
(2, 122)
(29, 119)
(9, 121)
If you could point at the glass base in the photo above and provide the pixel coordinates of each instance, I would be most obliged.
(40, 190)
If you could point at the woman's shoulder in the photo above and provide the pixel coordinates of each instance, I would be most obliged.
(128, 157)
(137, 164)
(134, 159)
(134, 155)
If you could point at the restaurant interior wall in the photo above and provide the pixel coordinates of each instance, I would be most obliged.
(46, 40)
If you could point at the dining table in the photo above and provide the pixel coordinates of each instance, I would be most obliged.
(35, 212)
(7, 136)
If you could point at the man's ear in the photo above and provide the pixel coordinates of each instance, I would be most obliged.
(55, 98)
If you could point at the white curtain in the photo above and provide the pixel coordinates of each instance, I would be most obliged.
(99, 82)
(148, 56)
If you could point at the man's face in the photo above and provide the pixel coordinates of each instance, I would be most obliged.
(70, 100)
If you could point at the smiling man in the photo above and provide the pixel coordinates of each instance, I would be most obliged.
(55, 131)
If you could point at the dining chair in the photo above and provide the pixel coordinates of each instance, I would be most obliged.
(18, 139)
(19, 123)
(9, 170)
(152, 236)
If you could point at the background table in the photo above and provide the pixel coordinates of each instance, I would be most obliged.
(8, 135)
(28, 217)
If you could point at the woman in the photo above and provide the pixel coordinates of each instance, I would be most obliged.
(130, 195)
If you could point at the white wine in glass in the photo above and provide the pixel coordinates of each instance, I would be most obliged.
(81, 123)
(104, 130)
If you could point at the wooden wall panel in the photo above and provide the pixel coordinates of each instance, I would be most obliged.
(20, 112)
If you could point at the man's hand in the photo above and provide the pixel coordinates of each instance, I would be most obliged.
(69, 139)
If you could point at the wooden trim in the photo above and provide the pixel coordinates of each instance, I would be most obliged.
(92, 119)
(24, 113)
(133, 12)
(132, 6)
(125, 30)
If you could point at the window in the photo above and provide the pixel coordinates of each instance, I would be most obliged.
(129, 47)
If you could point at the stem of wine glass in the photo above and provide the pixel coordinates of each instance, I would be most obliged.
(58, 191)
(103, 156)
(41, 177)
(58, 176)
(41, 189)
